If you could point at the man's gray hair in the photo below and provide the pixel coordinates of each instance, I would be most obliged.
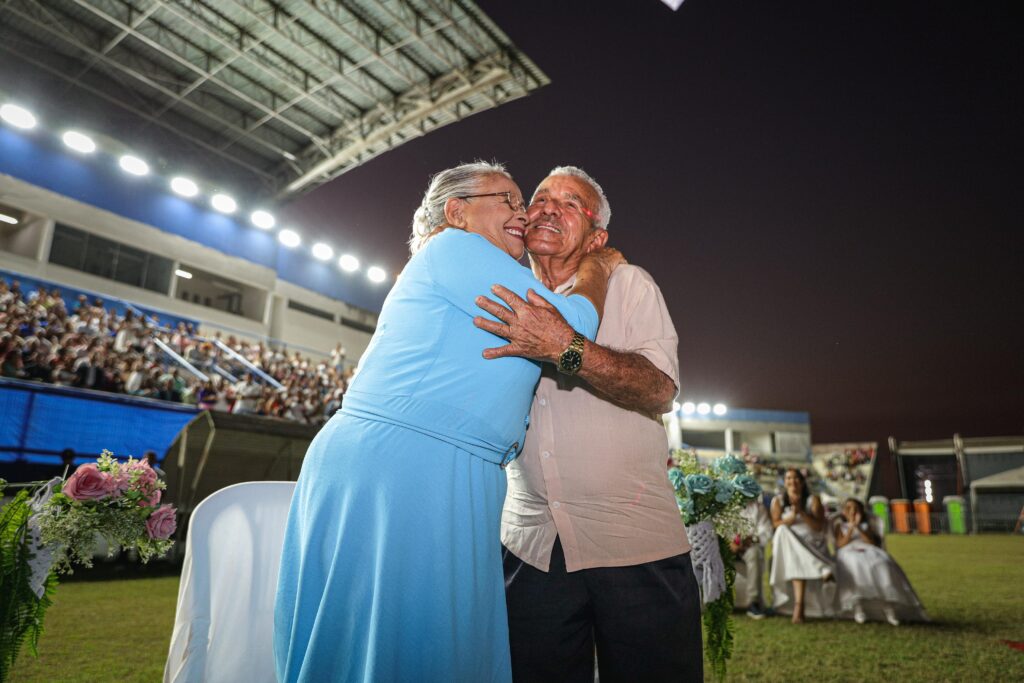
(604, 210)
(459, 181)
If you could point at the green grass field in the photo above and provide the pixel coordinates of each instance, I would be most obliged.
(972, 587)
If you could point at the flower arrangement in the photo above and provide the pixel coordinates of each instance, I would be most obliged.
(711, 500)
(48, 526)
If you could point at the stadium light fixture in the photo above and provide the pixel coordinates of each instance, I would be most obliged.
(719, 409)
(263, 220)
(689, 407)
(289, 238)
(322, 252)
(703, 408)
(184, 274)
(223, 203)
(134, 165)
(80, 142)
(676, 406)
(4, 218)
(376, 274)
(348, 263)
(184, 186)
(19, 117)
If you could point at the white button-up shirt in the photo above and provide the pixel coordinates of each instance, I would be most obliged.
(591, 472)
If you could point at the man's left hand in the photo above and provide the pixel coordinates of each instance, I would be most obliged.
(534, 328)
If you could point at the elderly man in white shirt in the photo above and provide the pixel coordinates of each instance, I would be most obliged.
(596, 554)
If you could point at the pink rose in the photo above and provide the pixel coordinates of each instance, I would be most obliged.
(162, 523)
(152, 501)
(89, 483)
(144, 475)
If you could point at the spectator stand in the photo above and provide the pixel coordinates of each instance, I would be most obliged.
(119, 306)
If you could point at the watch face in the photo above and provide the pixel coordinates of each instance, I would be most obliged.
(570, 361)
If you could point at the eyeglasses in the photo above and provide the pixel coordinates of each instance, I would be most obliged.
(513, 202)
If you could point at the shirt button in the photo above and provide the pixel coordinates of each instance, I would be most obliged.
(543, 401)
(545, 454)
(556, 505)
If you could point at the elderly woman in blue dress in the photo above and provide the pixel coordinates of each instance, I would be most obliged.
(803, 572)
(391, 568)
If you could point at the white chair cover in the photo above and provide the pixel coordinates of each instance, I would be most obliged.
(223, 629)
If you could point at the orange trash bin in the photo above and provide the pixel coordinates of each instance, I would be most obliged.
(900, 515)
(923, 516)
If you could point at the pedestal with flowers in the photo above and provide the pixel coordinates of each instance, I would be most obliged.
(711, 500)
(48, 526)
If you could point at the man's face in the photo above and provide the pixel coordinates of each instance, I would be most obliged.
(560, 218)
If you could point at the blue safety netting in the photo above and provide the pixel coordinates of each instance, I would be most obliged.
(38, 421)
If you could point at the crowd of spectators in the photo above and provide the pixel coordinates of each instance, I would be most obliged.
(90, 346)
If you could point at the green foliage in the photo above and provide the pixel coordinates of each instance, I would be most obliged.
(718, 624)
(21, 611)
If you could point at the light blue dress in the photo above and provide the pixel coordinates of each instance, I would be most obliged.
(391, 568)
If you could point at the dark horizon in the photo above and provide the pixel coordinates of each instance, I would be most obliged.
(825, 195)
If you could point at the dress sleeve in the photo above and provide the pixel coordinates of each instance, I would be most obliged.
(464, 265)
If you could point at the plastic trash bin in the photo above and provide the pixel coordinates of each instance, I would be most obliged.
(956, 513)
(879, 506)
(900, 515)
(923, 516)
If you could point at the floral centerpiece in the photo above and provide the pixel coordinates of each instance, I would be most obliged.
(711, 500)
(50, 525)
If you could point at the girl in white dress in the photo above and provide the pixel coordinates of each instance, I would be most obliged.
(802, 574)
(871, 584)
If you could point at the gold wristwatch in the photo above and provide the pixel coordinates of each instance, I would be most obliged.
(571, 360)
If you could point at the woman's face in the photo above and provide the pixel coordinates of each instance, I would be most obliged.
(793, 486)
(493, 218)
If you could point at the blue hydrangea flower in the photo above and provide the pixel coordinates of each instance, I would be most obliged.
(747, 486)
(698, 483)
(723, 490)
(730, 465)
(675, 476)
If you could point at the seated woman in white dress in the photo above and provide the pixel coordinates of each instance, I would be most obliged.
(871, 584)
(802, 574)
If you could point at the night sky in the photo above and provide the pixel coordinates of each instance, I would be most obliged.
(829, 194)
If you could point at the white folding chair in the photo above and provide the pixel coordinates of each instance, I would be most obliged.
(223, 629)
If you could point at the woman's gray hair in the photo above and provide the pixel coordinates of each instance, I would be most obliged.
(604, 210)
(452, 182)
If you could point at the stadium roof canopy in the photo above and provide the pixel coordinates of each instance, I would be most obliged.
(284, 93)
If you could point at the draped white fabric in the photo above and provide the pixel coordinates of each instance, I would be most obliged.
(798, 552)
(223, 629)
(869, 578)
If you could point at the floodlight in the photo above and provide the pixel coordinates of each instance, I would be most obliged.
(19, 117)
(348, 263)
(289, 238)
(262, 219)
(134, 165)
(80, 142)
(322, 252)
(223, 203)
(184, 186)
